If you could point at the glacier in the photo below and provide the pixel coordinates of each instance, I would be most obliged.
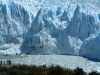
(50, 27)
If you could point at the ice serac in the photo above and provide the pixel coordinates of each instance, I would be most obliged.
(13, 26)
(40, 27)
(61, 33)
(40, 36)
(91, 48)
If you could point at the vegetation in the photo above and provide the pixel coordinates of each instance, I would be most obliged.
(41, 70)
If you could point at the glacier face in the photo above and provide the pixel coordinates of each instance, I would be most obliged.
(49, 27)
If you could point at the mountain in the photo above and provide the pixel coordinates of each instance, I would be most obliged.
(59, 27)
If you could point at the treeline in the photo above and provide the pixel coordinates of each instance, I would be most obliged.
(41, 70)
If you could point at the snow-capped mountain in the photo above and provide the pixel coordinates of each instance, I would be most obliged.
(50, 27)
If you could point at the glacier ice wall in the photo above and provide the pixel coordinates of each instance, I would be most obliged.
(40, 27)
(14, 23)
(91, 48)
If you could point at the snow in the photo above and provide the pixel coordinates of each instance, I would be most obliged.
(69, 27)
